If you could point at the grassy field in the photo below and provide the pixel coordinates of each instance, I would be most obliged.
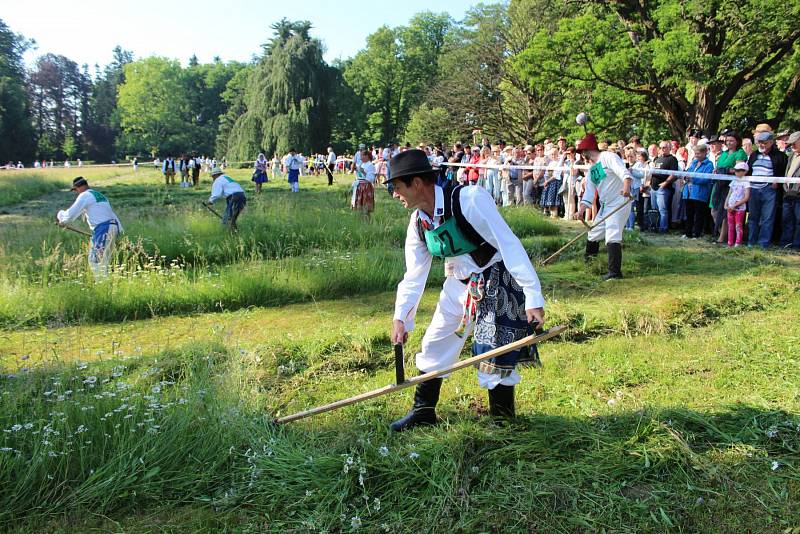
(143, 403)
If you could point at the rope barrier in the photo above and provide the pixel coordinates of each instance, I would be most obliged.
(646, 172)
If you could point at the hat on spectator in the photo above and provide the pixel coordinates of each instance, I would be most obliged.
(763, 127)
(215, 171)
(528, 148)
(784, 133)
(795, 137)
(764, 136)
(715, 139)
(589, 142)
(561, 138)
(412, 162)
(741, 166)
(508, 148)
(695, 132)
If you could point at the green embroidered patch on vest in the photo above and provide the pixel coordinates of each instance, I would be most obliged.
(98, 196)
(597, 173)
(447, 240)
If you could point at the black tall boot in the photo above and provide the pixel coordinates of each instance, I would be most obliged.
(592, 249)
(424, 410)
(501, 401)
(614, 261)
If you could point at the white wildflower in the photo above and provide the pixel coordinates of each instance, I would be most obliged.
(355, 522)
(16, 428)
(6, 449)
(383, 451)
(90, 380)
(775, 466)
(772, 432)
(413, 455)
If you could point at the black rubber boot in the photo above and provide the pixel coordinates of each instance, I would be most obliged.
(592, 249)
(614, 261)
(501, 401)
(424, 410)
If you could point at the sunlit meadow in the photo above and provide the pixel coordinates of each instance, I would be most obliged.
(144, 402)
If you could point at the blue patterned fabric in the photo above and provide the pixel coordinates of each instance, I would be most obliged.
(501, 319)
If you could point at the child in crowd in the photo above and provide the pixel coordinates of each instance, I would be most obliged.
(736, 203)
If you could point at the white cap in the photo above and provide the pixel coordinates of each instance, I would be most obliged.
(741, 166)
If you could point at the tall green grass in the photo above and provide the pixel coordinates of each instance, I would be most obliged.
(612, 434)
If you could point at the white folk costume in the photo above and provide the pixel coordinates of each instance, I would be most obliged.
(489, 284)
(102, 221)
(226, 187)
(607, 179)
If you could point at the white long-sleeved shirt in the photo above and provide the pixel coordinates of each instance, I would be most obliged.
(293, 162)
(368, 170)
(479, 209)
(223, 187)
(331, 158)
(609, 189)
(93, 206)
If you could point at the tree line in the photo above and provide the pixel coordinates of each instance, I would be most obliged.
(519, 70)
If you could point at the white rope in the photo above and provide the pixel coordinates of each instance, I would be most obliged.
(647, 172)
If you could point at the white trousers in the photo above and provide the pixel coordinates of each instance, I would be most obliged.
(441, 347)
(611, 228)
(99, 257)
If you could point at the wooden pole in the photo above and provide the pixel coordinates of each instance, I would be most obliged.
(212, 210)
(391, 388)
(558, 252)
(71, 229)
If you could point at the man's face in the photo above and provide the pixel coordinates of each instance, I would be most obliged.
(765, 146)
(562, 144)
(663, 149)
(409, 196)
(747, 144)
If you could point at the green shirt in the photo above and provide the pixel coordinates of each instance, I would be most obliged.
(728, 159)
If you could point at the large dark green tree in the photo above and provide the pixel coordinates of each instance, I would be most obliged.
(16, 132)
(286, 99)
(392, 74)
(57, 89)
(685, 60)
(102, 129)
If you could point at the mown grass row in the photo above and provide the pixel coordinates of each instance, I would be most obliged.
(19, 186)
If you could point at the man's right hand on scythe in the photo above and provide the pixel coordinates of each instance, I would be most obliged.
(399, 334)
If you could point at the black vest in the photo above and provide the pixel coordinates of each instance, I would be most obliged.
(452, 208)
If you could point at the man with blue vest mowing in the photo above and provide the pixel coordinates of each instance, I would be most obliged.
(226, 187)
(102, 220)
(490, 288)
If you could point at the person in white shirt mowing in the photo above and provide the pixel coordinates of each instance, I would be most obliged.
(609, 177)
(225, 187)
(102, 220)
(293, 162)
(490, 285)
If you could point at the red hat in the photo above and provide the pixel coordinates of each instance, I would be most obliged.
(588, 143)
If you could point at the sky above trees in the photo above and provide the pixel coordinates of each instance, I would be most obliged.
(86, 32)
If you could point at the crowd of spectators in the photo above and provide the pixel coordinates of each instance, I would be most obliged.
(698, 207)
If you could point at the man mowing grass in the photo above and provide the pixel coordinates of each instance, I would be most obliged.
(491, 285)
(102, 220)
(226, 187)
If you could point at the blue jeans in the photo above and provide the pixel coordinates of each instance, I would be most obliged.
(661, 200)
(634, 208)
(791, 222)
(762, 216)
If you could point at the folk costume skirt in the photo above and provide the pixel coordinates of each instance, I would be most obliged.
(363, 196)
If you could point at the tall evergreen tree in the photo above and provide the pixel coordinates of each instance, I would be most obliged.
(16, 132)
(286, 97)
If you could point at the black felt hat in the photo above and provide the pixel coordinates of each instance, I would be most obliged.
(409, 163)
(78, 182)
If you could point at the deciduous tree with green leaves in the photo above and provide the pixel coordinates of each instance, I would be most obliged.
(687, 60)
